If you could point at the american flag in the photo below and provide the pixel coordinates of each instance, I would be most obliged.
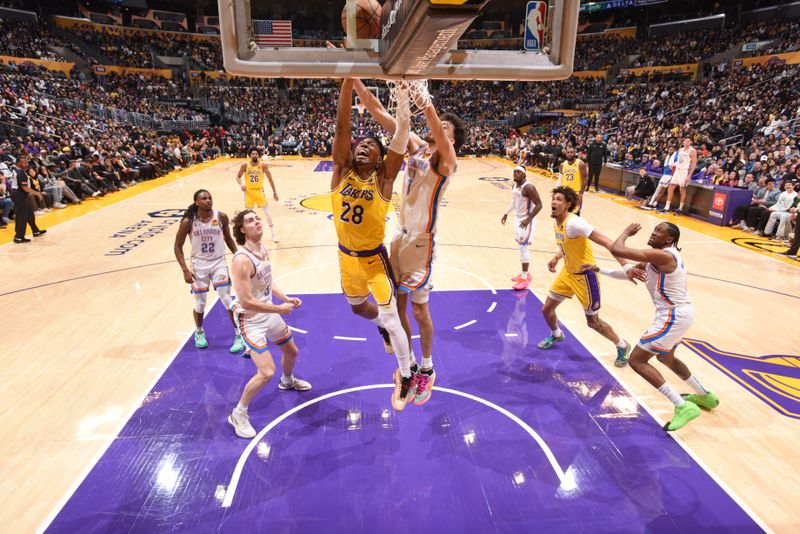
(272, 32)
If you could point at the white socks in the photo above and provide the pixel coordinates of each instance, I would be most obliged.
(670, 393)
(622, 343)
(427, 362)
(241, 408)
(557, 332)
(696, 386)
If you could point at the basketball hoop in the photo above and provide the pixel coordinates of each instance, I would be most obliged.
(417, 91)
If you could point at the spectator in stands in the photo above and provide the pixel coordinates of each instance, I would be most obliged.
(784, 202)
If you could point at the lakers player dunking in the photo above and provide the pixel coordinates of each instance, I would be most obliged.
(429, 170)
(572, 173)
(254, 171)
(572, 236)
(361, 189)
(209, 235)
(666, 282)
(259, 318)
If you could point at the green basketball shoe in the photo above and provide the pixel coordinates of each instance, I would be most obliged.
(683, 414)
(622, 355)
(707, 402)
(238, 344)
(549, 341)
(200, 340)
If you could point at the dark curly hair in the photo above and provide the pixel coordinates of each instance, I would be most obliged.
(237, 223)
(459, 129)
(569, 195)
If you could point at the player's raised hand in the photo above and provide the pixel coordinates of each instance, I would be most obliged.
(632, 229)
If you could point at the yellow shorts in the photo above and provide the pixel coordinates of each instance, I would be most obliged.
(254, 197)
(362, 276)
(585, 286)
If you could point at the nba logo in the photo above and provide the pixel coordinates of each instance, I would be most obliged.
(534, 25)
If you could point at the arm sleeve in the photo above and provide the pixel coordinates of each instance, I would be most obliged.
(618, 273)
(578, 227)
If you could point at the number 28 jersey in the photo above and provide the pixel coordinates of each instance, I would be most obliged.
(208, 242)
(359, 212)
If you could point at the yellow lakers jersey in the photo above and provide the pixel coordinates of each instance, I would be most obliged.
(572, 175)
(359, 212)
(254, 176)
(577, 250)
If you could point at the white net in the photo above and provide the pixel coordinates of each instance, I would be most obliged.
(415, 90)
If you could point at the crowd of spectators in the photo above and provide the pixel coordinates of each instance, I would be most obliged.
(27, 39)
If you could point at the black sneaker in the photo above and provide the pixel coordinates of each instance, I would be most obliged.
(40, 232)
(787, 253)
(679, 212)
(387, 341)
(21, 240)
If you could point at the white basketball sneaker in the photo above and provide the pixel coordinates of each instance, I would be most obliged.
(295, 384)
(241, 424)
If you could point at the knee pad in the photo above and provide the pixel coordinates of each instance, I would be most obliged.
(200, 302)
(524, 254)
(224, 293)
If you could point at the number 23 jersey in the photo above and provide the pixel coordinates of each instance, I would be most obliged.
(359, 212)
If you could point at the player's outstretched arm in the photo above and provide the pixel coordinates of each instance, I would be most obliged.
(447, 153)
(341, 142)
(398, 145)
(662, 260)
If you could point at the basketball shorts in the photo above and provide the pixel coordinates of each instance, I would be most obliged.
(412, 256)
(586, 286)
(361, 276)
(254, 197)
(523, 235)
(261, 329)
(209, 273)
(668, 329)
(680, 178)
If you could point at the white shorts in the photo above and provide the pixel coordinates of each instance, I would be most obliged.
(261, 329)
(523, 235)
(209, 273)
(668, 329)
(411, 256)
(680, 178)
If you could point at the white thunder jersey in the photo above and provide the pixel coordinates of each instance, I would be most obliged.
(668, 290)
(261, 281)
(423, 190)
(684, 162)
(522, 204)
(208, 243)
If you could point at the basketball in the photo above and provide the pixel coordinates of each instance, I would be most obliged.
(368, 19)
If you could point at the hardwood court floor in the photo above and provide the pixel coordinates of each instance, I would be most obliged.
(97, 307)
